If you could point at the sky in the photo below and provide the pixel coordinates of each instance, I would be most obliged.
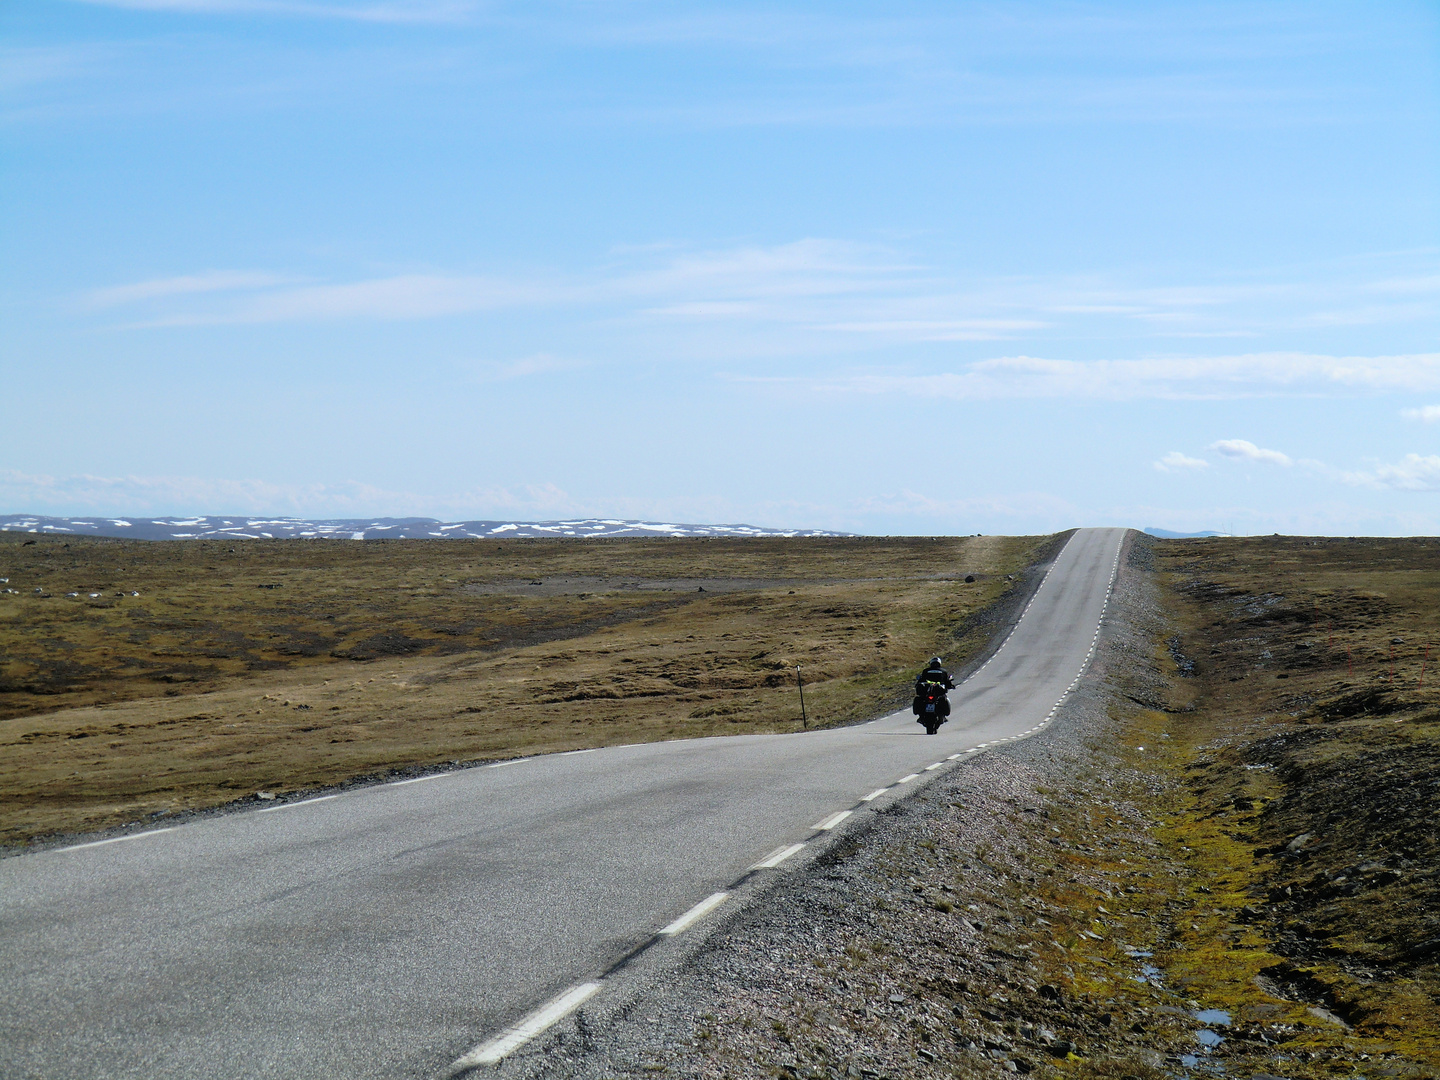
(888, 268)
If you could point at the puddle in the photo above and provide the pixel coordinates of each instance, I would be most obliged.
(1208, 1039)
(1213, 1016)
(1149, 973)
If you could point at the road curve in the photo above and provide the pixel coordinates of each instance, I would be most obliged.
(390, 931)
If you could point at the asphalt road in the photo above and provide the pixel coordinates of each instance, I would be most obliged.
(388, 931)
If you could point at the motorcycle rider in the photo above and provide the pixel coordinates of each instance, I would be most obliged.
(935, 673)
(933, 682)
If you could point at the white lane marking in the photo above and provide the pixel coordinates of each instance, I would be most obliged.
(117, 839)
(907, 779)
(414, 780)
(932, 768)
(292, 805)
(831, 821)
(695, 914)
(512, 1038)
(954, 757)
(512, 761)
(776, 857)
(874, 794)
(572, 753)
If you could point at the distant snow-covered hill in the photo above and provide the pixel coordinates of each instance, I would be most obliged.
(256, 528)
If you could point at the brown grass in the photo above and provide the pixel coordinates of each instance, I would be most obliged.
(290, 665)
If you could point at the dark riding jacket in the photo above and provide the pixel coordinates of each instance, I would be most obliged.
(934, 675)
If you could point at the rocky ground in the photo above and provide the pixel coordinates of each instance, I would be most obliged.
(1153, 888)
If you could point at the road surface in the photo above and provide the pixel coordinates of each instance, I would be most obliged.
(400, 929)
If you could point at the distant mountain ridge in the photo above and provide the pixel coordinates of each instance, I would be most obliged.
(242, 527)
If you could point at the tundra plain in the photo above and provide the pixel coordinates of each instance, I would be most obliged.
(142, 681)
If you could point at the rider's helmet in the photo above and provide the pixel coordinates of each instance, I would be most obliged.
(936, 662)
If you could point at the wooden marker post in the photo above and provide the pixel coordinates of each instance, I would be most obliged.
(804, 723)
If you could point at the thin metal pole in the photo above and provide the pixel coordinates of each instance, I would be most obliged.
(804, 722)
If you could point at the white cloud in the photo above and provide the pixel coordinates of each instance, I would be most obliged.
(1426, 413)
(212, 281)
(1204, 377)
(1175, 460)
(1413, 472)
(153, 495)
(1244, 450)
(819, 296)
(392, 11)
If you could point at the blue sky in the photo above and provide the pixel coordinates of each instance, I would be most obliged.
(886, 268)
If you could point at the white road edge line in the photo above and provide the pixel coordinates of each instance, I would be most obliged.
(874, 794)
(695, 914)
(572, 753)
(416, 779)
(932, 768)
(776, 857)
(291, 805)
(831, 821)
(907, 779)
(512, 1038)
(117, 839)
(502, 764)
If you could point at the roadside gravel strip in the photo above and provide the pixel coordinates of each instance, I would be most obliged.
(825, 967)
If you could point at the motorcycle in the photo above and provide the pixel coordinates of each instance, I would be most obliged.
(931, 707)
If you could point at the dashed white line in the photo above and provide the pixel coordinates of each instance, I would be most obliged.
(512, 1038)
(695, 914)
(776, 857)
(292, 805)
(932, 768)
(413, 780)
(874, 794)
(572, 753)
(117, 839)
(831, 821)
(907, 779)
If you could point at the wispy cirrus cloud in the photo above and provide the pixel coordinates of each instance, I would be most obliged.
(211, 281)
(1427, 414)
(1203, 377)
(1175, 461)
(383, 11)
(1413, 472)
(838, 293)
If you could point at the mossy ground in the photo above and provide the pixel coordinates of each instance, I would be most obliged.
(291, 665)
